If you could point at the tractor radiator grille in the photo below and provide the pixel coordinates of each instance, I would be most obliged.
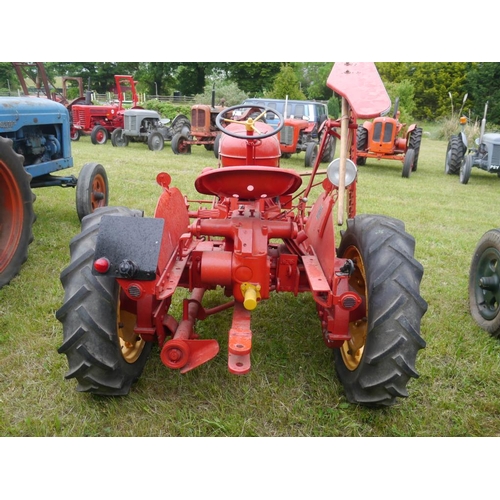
(495, 155)
(130, 122)
(382, 133)
(198, 118)
(286, 135)
(79, 117)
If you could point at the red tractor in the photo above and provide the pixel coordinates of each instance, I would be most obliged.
(253, 234)
(387, 138)
(100, 121)
(201, 131)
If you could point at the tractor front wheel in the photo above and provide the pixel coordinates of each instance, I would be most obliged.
(217, 145)
(74, 134)
(92, 190)
(454, 156)
(16, 212)
(118, 138)
(408, 163)
(379, 360)
(99, 135)
(361, 144)
(311, 154)
(415, 141)
(466, 169)
(104, 353)
(156, 142)
(484, 283)
(180, 145)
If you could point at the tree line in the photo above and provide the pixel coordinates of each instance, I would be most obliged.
(430, 90)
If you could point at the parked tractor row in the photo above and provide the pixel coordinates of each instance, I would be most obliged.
(99, 121)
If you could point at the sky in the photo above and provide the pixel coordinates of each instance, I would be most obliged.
(257, 31)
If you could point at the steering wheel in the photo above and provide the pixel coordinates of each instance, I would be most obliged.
(252, 132)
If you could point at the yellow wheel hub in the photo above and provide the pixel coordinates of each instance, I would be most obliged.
(352, 350)
(131, 344)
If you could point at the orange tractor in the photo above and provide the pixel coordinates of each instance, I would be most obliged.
(254, 233)
(387, 138)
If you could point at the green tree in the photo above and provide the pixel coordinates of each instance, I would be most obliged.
(226, 92)
(404, 92)
(483, 84)
(254, 78)
(285, 84)
(392, 71)
(8, 77)
(313, 77)
(433, 81)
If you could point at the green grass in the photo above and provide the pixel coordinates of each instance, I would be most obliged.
(292, 389)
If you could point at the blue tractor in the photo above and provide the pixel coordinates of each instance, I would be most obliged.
(34, 143)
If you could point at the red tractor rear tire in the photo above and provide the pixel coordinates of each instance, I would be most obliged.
(104, 355)
(376, 365)
(16, 212)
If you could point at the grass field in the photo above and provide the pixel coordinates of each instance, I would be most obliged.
(292, 389)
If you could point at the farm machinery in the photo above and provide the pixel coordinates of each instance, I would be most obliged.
(301, 131)
(457, 144)
(254, 233)
(485, 156)
(100, 121)
(386, 138)
(201, 131)
(35, 143)
(484, 283)
(145, 125)
(299, 135)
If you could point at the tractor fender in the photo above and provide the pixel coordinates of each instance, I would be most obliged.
(128, 247)
(172, 208)
(463, 138)
(411, 128)
(367, 125)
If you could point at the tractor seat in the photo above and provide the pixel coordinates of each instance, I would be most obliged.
(248, 182)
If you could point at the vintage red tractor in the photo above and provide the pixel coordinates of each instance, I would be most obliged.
(386, 138)
(202, 131)
(100, 121)
(256, 234)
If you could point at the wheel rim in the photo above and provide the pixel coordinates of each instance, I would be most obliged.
(156, 143)
(11, 216)
(183, 146)
(131, 344)
(101, 136)
(352, 350)
(487, 284)
(98, 194)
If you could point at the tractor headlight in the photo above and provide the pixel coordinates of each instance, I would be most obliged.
(333, 172)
